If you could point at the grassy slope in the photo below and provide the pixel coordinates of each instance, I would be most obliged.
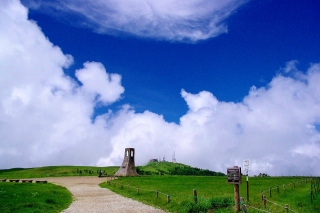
(55, 171)
(165, 168)
(32, 197)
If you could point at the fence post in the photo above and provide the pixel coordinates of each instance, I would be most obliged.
(287, 208)
(195, 198)
(168, 198)
(311, 191)
(270, 192)
(261, 194)
(244, 208)
(278, 189)
(264, 201)
(157, 194)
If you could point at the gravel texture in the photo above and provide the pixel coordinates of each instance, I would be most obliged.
(89, 197)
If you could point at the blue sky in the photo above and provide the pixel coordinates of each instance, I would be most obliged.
(216, 82)
(262, 36)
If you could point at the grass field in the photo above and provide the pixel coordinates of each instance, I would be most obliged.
(32, 197)
(213, 191)
(56, 171)
(216, 191)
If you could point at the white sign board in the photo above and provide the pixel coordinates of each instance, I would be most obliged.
(246, 165)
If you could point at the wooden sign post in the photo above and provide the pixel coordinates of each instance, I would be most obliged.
(234, 177)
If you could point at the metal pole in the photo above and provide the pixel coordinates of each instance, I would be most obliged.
(247, 188)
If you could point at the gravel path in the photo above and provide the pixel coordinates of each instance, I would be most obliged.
(89, 197)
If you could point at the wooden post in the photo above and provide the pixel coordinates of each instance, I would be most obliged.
(261, 194)
(264, 201)
(287, 208)
(311, 192)
(236, 197)
(270, 192)
(278, 189)
(195, 198)
(168, 198)
(157, 194)
(244, 208)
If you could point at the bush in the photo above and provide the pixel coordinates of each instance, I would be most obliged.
(191, 207)
(221, 202)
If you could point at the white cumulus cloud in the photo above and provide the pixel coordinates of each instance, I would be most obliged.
(177, 20)
(45, 115)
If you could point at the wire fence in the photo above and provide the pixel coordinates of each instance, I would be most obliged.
(315, 190)
(169, 196)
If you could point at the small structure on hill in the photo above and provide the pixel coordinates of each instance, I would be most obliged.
(174, 158)
(153, 160)
(128, 167)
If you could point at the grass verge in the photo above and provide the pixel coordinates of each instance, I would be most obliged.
(32, 197)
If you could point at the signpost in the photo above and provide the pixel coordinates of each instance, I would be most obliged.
(234, 177)
(246, 164)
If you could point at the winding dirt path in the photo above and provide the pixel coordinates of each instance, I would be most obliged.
(89, 197)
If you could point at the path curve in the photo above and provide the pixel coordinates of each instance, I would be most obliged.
(89, 197)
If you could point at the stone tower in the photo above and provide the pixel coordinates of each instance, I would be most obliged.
(127, 168)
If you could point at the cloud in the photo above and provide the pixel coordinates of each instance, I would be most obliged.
(96, 81)
(45, 115)
(274, 127)
(191, 20)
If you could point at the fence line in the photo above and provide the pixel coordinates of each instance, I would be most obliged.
(286, 206)
(256, 208)
(289, 184)
(168, 196)
(314, 188)
(195, 197)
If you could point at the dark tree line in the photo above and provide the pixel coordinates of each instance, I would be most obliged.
(180, 170)
(193, 171)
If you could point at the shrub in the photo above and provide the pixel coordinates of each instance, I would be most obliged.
(191, 207)
(220, 202)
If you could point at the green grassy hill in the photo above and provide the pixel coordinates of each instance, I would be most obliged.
(152, 168)
(168, 168)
